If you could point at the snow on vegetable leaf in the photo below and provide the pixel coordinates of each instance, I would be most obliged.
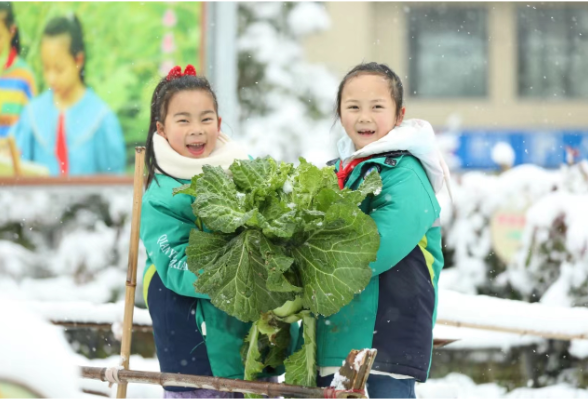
(372, 184)
(217, 202)
(308, 181)
(250, 175)
(259, 178)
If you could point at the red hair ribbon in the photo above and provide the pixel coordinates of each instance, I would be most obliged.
(176, 72)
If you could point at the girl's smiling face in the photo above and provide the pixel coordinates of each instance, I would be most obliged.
(191, 125)
(368, 111)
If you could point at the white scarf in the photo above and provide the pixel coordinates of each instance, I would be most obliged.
(414, 135)
(224, 154)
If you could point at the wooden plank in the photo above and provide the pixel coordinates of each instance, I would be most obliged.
(92, 180)
(99, 326)
(438, 343)
(530, 332)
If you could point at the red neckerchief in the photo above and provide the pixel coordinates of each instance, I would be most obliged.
(61, 146)
(343, 173)
(11, 57)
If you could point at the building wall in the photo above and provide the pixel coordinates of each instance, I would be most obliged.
(378, 31)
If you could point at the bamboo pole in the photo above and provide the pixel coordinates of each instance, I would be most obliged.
(272, 390)
(125, 349)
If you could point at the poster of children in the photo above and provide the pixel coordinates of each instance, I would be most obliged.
(76, 79)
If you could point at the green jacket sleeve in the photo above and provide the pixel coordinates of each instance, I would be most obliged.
(403, 212)
(165, 235)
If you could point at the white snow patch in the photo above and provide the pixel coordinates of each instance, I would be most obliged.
(457, 307)
(86, 312)
(307, 18)
(339, 381)
(457, 386)
(35, 353)
(358, 359)
(503, 154)
(579, 348)
(287, 188)
(479, 339)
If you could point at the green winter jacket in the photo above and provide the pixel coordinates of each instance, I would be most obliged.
(396, 312)
(166, 223)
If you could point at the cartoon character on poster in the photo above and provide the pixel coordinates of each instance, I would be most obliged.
(68, 128)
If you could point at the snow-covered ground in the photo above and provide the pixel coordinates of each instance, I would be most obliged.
(21, 341)
(35, 353)
(503, 315)
(459, 386)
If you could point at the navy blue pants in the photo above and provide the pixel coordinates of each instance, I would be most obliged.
(179, 344)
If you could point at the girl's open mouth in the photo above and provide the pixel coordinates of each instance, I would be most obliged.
(366, 132)
(196, 149)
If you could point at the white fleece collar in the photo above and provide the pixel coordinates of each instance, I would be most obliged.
(176, 165)
(414, 135)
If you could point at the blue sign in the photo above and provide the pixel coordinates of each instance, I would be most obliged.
(546, 149)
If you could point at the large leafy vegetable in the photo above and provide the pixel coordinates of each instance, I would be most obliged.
(286, 245)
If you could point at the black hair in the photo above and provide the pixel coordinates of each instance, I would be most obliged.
(163, 93)
(373, 68)
(6, 6)
(73, 28)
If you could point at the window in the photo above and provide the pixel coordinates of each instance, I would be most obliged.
(448, 52)
(553, 52)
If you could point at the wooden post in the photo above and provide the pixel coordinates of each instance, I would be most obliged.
(356, 369)
(125, 350)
